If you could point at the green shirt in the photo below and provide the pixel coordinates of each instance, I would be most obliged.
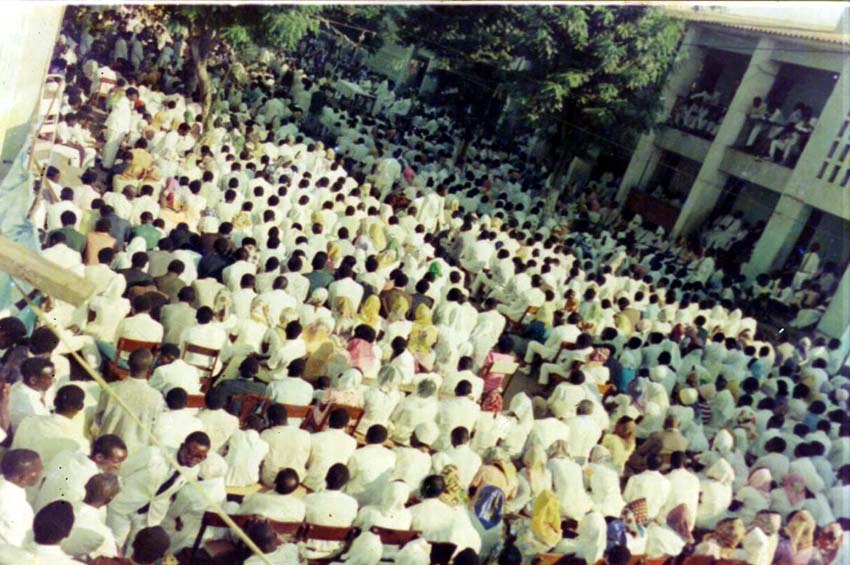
(149, 233)
(73, 239)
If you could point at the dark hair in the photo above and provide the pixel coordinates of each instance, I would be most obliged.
(53, 523)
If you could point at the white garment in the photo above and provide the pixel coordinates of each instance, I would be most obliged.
(219, 425)
(327, 448)
(48, 435)
(172, 427)
(371, 468)
(274, 506)
(651, 485)
(90, 536)
(16, 514)
(146, 404)
(245, 451)
(178, 373)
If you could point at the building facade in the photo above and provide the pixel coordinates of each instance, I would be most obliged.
(712, 156)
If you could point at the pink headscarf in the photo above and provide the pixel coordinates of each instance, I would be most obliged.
(790, 483)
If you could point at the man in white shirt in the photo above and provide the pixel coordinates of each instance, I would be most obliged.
(34, 394)
(245, 453)
(174, 372)
(145, 402)
(461, 456)
(277, 299)
(148, 482)
(118, 125)
(329, 447)
(90, 536)
(456, 412)
(232, 275)
(218, 423)
(584, 432)
(280, 505)
(651, 485)
(289, 447)
(284, 349)
(345, 285)
(60, 431)
(173, 425)
(371, 467)
(51, 525)
(293, 390)
(21, 470)
(432, 516)
(205, 333)
(66, 475)
(684, 487)
(140, 326)
(330, 507)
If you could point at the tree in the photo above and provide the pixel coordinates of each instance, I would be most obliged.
(580, 72)
(275, 26)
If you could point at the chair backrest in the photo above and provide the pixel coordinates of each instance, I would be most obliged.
(289, 531)
(213, 520)
(329, 533)
(195, 401)
(298, 412)
(395, 537)
(123, 349)
(206, 365)
(699, 560)
(249, 404)
(355, 414)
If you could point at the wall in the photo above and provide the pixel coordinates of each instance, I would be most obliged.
(809, 86)
(28, 33)
(755, 202)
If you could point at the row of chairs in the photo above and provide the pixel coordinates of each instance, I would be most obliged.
(223, 551)
(204, 359)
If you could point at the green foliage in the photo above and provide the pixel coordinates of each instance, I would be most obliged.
(591, 69)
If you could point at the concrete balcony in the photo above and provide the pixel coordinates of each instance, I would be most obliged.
(683, 143)
(761, 172)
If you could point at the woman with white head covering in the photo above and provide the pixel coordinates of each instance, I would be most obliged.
(604, 482)
(755, 495)
(315, 310)
(390, 512)
(568, 482)
(716, 489)
(381, 399)
(759, 545)
(519, 421)
(532, 480)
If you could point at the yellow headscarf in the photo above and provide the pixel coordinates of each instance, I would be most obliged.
(377, 235)
(398, 308)
(546, 518)
(370, 312)
(801, 530)
(423, 333)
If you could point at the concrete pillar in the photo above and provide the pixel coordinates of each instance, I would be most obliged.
(779, 236)
(28, 33)
(836, 319)
(647, 154)
(757, 81)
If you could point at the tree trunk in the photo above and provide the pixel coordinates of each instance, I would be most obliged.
(200, 54)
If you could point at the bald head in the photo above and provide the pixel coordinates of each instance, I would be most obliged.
(101, 489)
(21, 467)
(140, 362)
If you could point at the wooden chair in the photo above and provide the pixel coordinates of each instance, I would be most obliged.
(297, 412)
(209, 358)
(699, 560)
(395, 537)
(104, 87)
(196, 401)
(218, 550)
(355, 414)
(249, 404)
(122, 352)
(344, 535)
(530, 311)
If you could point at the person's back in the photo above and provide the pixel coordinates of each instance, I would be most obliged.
(289, 446)
(328, 448)
(145, 401)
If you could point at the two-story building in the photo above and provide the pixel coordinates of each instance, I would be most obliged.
(710, 157)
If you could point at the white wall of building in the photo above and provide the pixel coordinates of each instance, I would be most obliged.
(28, 32)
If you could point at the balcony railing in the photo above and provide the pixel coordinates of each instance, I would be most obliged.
(778, 142)
(696, 117)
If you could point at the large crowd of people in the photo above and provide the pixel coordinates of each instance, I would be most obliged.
(346, 296)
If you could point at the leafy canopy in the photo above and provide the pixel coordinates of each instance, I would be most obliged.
(579, 69)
